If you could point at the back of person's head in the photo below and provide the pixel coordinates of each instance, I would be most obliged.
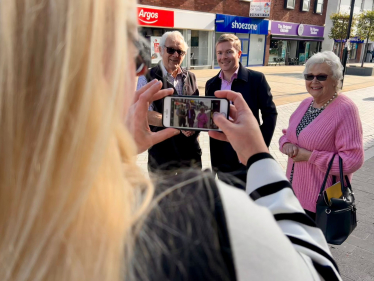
(230, 38)
(69, 186)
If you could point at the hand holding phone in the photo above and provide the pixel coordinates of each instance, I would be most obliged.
(193, 112)
(243, 131)
(137, 117)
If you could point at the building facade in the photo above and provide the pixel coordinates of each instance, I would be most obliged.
(296, 30)
(271, 31)
(201, 23)
(356, 47)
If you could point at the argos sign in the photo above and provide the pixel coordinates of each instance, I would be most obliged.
(155, 17)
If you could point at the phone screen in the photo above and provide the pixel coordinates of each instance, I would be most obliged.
(192, 112)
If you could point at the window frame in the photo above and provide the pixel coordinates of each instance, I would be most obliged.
(286, 6)
(302, 9)
(316, 3)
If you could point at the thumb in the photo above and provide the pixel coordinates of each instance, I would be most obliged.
(221, 121)
(163, 135)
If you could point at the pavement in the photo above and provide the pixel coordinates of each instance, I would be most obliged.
(287, 82)
(355, 257)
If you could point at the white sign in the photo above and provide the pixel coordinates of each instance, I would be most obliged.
(239, 25)
(260, 8)
(284, 28)
(155, 52)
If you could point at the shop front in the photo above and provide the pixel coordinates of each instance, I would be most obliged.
(355, 48)
(252, 34)
(294, 43)
(197, 29)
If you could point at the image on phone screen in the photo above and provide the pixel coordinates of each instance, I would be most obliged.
(192, 112)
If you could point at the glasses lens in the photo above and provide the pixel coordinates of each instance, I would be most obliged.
(170, 51)
(308, 77)
(321, 77)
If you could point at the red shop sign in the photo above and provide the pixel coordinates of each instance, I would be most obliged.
(153, 17)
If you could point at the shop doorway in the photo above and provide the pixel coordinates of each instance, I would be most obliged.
(245, 49)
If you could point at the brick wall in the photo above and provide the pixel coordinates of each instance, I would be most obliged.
(240, 8)
(229, 7)
(267, 47)
(279, 13)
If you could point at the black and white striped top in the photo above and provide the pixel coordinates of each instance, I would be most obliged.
(222, 233)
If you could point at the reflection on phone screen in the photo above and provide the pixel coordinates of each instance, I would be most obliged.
(194, 113)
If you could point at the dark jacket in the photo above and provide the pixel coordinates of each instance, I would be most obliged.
(256, 92)
(179, 150)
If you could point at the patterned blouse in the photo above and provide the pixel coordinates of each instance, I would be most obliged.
(308, 118)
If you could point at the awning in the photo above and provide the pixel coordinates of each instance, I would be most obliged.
(297, 38)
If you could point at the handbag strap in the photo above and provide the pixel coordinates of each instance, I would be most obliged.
(342, 177)
(327, 175)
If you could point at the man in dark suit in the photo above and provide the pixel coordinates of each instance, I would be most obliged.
(182, 150)
(191, 115)
(256, 92)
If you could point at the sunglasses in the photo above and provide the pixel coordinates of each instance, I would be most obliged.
(310, 77)
(171, 51)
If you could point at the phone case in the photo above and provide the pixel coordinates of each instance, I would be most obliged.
(198, 97)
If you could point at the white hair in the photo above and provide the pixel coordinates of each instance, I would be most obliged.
(173, 34)
(330, 59)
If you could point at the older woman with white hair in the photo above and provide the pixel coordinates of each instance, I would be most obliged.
(324, 125)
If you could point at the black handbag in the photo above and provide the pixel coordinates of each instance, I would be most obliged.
(337, 218)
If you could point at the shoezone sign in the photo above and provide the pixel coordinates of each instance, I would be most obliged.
(155, 17)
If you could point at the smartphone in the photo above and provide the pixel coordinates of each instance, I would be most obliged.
(193, 112)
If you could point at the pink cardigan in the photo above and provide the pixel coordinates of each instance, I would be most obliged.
(337, 130)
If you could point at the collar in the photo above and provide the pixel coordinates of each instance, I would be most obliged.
(164, 71)
(235, 75)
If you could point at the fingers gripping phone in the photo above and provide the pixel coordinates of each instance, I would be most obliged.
(193, 112)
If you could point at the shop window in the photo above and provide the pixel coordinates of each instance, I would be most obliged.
(289, 4)
(318, 7)
(200, 51)
(305, 5)
(362, 5)
(353, 51)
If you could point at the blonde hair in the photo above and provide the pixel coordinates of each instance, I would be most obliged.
(230, 38)
(70, 190)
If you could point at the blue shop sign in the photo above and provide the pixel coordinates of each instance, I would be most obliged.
(234, 24)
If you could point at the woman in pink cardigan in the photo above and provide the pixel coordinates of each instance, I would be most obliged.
(325, 124)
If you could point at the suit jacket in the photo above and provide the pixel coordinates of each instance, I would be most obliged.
(256, 92)
(193, 114)
(177, 149)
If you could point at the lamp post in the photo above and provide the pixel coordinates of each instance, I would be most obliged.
(345, 52)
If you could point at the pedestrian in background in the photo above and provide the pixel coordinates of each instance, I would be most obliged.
(324, 125)
(255, 91)
(181, 150)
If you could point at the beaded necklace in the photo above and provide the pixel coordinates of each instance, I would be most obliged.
(311, 109)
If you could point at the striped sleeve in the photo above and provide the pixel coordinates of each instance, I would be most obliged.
(273, 191)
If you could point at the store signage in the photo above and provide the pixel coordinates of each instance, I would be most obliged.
(260, 8)
(155, 17)
(225, 23)
(155, 51)
(295, 29)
